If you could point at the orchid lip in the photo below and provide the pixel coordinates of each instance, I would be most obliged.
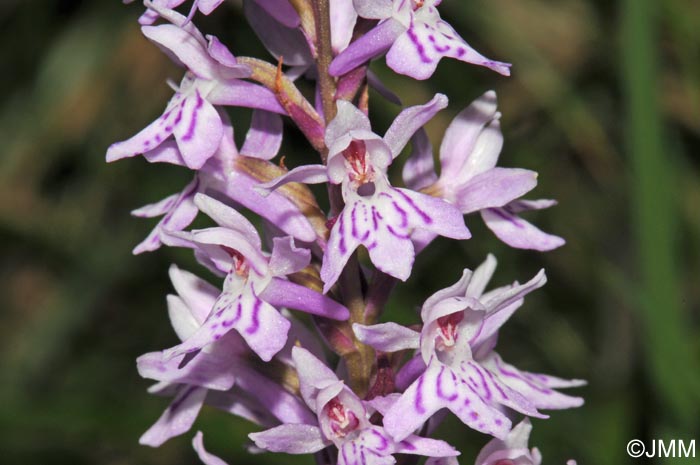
(343, 421)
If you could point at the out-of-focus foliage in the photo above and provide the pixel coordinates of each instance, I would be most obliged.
(604, 106)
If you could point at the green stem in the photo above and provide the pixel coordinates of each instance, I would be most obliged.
(665, 330)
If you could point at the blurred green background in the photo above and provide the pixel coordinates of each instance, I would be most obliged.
(604, 103)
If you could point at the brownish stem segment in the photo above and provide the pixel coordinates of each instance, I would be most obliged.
(324, 50)
(361, 361)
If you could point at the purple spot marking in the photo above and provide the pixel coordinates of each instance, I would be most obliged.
(441, 394)
(424, 216)
(341, 230)
(419, 47)
(474, 415)
(495, 384)
(460, 52)
(407, 445)
(353, 220)
(375, 218)
(382, 439)
(253, 328)
(193, 121)
(396, 234)
(402, 213)
(511, 374)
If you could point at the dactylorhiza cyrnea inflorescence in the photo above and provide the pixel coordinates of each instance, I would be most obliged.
(243, 350)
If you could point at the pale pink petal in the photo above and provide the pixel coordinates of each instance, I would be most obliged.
(457, 155)
(281, 10)
(341, 244)
(419, 169)
(245, 94)
(177, 418)
(286, 258)
(387, 337)
(281, 40)
(434, 214)
(371, 45)
(416, 445)
(283, 293)
(264, 138)
(204, 456)
(188, 50)
(307, 174)
(411, 120)
(199, 132)
(533, 387)
(416, 53)
(373, 9)
(204, 370)
(439, 388)
(518, 233)
(343, 18)
(228, 217)
(494, 188)
(481, 277)
(292, 439)
(262, 327)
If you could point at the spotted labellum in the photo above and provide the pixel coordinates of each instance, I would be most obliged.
(283, 325)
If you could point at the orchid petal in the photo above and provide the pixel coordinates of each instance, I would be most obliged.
(282, 293)
(188, 50)
(264, 138)
(457, 151)
(292, 439)
(314, 375)
(165, 152)
(387, 337)
(282, 11)
(439, 387)
(481, 277)
(411, 120)
(341, 244)
(518, 233)
(262, 327)
(205, 370)
(281, 40)
(204, 456)
(228, 217)
(307, 174)
(416, 445)
(245, 94)
(494, 188)
(284, 406)
(531, 386)
(371, 45)
(177, 418)
(286, 258)
(343, 18)
(416, 53)
(179, 216)
(373, 9)
(419, 169)
(200, 133)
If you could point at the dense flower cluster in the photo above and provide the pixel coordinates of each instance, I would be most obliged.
(242, 350)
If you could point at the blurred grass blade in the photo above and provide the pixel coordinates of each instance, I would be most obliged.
(666, 343)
